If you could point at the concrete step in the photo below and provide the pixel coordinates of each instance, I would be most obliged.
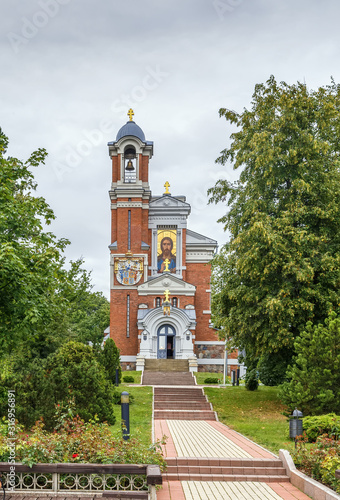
(228, 471)
(179, 398)
(178, 391)
(165, 378)
(184, 415)
(181, 405)
(167, 365)
(224, 462)
(225, 469)
(224, 477)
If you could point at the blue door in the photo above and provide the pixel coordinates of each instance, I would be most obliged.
(166, 342)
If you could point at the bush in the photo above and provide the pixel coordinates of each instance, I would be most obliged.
(72, 373)
(320, 460)
(323, 424)
(252, 380)
(315, 376)
(128, 378)
(109, 358)
(211, 380)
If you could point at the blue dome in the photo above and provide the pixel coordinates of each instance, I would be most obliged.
(130, 128)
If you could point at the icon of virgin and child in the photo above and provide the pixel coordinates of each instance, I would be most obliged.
(166, 260)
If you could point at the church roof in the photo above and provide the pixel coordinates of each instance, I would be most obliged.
(130, 128)
(196, 239)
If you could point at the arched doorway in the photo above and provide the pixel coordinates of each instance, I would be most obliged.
(166, 342)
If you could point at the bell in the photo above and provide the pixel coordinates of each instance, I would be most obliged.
(129, 166)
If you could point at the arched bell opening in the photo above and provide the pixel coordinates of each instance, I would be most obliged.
(130, 164)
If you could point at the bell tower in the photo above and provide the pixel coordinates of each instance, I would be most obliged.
(130, 236)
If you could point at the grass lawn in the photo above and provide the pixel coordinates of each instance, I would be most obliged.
(256, 414)
(140, 412)
(136, 375)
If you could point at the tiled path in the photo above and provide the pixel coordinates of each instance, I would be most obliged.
(208, 490)
(213, 439)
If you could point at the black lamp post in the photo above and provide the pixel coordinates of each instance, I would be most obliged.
(295, 424)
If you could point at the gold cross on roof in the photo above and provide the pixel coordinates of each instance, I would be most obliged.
(167, 185)
(167, 295)
(130, 114)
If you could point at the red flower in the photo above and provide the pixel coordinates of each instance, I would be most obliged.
(75, 455)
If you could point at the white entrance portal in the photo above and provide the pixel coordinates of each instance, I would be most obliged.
(166, 337)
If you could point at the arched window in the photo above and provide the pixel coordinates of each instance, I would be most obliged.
(174, 301)
(158, 302)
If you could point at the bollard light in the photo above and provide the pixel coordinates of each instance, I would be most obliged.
(125, 415)
(295, 424)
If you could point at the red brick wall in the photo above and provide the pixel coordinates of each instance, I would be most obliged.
(115, 168)
(199, 275)
(118, 318)
(144, 168)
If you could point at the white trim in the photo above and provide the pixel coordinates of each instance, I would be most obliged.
(206, 312)
(210, 342)
(127, 359)
(210, 361)
(208, 291)
(216, 361)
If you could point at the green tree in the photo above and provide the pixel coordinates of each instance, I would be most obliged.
(31, 260)
(109, 358)
(315, 375)
(42, 304)
(280, 267)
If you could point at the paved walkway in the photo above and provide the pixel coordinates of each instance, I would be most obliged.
(213, 444)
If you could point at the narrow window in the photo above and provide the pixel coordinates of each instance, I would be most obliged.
(174, 302)
(128, 316)
(129, 230)
(158, 302)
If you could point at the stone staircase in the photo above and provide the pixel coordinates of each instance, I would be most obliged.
(168, 378)
(166, 365)
(225, 469)
(181, 403)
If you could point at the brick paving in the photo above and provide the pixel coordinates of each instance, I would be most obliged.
(209, 461)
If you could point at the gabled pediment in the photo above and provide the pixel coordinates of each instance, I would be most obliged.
(166, 281)
(168, 204)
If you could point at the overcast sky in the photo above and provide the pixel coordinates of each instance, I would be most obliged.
(70, 70)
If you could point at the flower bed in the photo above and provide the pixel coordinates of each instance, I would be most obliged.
(77, 441)
(319, 460)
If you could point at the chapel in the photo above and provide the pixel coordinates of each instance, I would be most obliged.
(159, 268)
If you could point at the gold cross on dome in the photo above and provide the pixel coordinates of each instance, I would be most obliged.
(167, 295)
(167, 185)
(130, 114)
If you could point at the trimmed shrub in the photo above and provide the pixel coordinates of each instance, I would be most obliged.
(211, 380)
(128, 378)
(322, 424)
